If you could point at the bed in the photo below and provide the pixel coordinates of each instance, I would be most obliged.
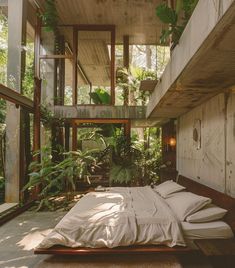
(133, 220)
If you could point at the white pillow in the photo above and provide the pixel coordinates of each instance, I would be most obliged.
(186, 203)
(168, 187)
(208, 213)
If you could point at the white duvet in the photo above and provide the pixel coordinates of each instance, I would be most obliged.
(120, 217)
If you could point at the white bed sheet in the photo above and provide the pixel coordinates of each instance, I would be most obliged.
(119, 217)
(207, 230)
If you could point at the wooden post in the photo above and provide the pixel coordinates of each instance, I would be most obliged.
(126, 57)
(113, 67)
(75, 81)
(74, 137)
(37, 116)
(25, 152)
(61, 72)
(37, 42)
(37, 88)
(67, 136)
(75, 66)
(126, 65)
(127, 130)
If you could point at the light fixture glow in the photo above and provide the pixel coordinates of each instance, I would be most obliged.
(172, 141)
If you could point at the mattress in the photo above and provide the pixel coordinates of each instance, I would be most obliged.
(207, 230)
(118, 217)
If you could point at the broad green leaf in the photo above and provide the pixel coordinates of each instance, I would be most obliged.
(166, 14)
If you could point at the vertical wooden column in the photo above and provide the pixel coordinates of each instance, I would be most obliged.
(25, 152)
(75, 81)
(37, 116)
(37, 89)
(62, 85)
(126, 58)
(37, 96)
(113, 67)
(127, 130)
(37, 42)
(59, 84)
(15, 70)
(61, 71)
(67, 136)
(126, 65)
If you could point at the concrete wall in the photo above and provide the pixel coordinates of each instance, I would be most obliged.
(214, 163)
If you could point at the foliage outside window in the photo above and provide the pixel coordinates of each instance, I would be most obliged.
(3, 48)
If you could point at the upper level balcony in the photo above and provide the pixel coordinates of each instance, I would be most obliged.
(201, 65)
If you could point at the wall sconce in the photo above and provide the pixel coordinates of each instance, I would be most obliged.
(172, 142)
(197, 134)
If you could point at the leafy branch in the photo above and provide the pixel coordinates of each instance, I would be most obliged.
(53, 178)
(176, 19)
(50, 16)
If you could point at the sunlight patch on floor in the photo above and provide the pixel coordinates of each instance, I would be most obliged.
(31, 240)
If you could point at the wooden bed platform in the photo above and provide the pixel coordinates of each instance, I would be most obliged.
(61, 250)
(218, 198)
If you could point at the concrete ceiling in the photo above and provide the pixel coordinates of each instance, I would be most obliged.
(135, 18)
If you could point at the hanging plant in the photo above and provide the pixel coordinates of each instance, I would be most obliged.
(50, 16)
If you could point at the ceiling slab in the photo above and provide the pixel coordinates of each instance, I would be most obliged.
(135, 18)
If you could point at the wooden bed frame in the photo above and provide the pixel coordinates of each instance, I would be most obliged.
(218, 198)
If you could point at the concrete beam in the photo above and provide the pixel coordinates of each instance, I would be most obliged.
(201, 65)
(3, 3)
(151, 122)
(105, 112)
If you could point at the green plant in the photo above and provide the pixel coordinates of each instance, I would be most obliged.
(48, 119)
(2, 111)
(176, 19)
(2, 184)
(129, 80)
(28, 78)
(3, 47)
(122, 156)
(100, 96)
(92, 134)
(2, 190)
(76, 166)
(151, 159)
(50, 16)
(52, 178)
